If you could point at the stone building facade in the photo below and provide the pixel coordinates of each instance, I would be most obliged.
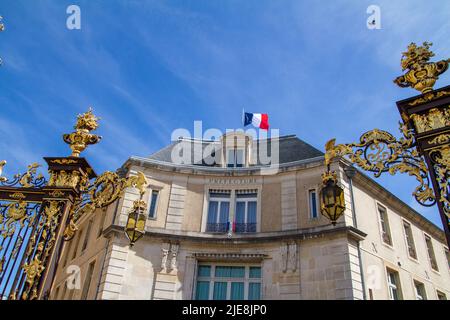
(230, 229)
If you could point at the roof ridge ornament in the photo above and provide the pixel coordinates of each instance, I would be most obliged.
(421, 74)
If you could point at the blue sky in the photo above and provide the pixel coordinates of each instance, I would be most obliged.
(149, 67)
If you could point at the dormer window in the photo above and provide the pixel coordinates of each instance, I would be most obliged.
(236, 148)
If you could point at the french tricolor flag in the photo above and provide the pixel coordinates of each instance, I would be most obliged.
(259, 120)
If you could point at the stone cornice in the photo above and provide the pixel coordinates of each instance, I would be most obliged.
(299, 234)
(203, 170)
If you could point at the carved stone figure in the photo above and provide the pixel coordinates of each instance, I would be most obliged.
(292, 261)
(174, 262)
(165, 254)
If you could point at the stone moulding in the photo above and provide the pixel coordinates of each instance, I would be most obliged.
(201, 256)
(299, 234)
(195, 169)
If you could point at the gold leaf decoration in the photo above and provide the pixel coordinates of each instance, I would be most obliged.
(421, 74)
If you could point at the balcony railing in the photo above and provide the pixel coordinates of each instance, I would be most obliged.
(238, 227)
(217, 227)
(245, 227)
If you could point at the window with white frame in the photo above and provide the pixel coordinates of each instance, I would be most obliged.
(101, 223)
(313, 208)
(153, 204)
(245, 216)
(431, 255)
(235, 158)
(218, 211)
(419, 288)
(87, 280)
(77, 244)
(87, 235)
(384, 225)
(393, 285)
(409, 240)
(447, 255)
(441, 295)
(228, 282)
(67, 252)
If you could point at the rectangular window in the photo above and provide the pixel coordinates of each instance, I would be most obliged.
(431, 254)
(441, 295)
(370, 294)
(409, 240)
(218, 212)
(101, 223)
(235, 158)
(87, 281)
(67, 252)
(86, 237)
(420, 291)
(447, 255)
(202, 290)
(254, 291)
(313, 204)
(239, 158)
(153, 204)
(394, 285)
(245, 217)
(231, 158)
(75, 249)
(220, 290)
(384, 225)
(224, 282)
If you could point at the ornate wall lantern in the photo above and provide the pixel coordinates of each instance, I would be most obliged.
(135, 227)
(332, 202)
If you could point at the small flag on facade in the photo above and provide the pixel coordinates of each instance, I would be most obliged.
(259, 120)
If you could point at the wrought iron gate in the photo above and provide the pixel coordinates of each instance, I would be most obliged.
(38, 215)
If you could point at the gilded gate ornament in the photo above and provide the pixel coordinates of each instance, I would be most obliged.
(52, 210)
(33, 269)
(443, 138)
(106, 189)
(69, 231)
(81, 138)
(29, 179)
(2, 164)
(378, 151)
(432, 120)
(421, 74)
(69, 179)
(17, 211)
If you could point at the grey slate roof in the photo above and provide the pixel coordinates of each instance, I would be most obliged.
(291, 149)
